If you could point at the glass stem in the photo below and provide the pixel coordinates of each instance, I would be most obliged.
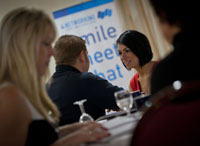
(82, 108)
(128, 113)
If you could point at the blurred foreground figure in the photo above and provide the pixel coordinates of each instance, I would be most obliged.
(174, 118)
(28, 116)
(181, 29)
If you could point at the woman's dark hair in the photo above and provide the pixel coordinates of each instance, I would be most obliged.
(138, 44)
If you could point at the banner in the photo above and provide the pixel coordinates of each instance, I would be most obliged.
(98, 24)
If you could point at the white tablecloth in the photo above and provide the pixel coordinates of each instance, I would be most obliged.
(121, 129)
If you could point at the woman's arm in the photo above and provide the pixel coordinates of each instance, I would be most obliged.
(14, 115)
(130, 89)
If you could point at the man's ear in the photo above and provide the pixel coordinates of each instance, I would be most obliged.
(81, 57)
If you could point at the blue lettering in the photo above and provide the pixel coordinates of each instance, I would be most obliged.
(108, 53)
(118, 71)
(111, 75)
(98, 57)
(111, 31)
(90, 58)
(86, 38)
(115, 47)
(99, 35)
(99, 74)
(102, 32)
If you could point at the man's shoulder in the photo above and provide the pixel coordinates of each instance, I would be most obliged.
(91, 76)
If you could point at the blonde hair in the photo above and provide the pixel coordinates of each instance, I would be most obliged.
(21, 33)
(67, 48)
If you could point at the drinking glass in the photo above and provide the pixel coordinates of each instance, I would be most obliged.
(84, 116)
(125, 100)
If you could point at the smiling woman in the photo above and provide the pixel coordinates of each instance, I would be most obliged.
(135, 53)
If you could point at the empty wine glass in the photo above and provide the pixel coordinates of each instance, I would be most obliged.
(125, 100)
(84, 116)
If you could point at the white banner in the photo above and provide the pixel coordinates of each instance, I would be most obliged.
(97, 23)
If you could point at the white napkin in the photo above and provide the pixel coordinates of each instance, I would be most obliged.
(120, 125)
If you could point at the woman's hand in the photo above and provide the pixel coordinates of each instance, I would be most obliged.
(88, 132)
(93, 132)
(69, 128)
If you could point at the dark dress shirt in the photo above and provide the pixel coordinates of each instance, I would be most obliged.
(69, 85)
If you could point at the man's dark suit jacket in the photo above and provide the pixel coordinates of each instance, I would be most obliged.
(69, 85)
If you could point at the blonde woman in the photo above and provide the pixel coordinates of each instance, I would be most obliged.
(28, 116)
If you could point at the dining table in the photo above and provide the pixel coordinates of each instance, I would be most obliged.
(120, 126)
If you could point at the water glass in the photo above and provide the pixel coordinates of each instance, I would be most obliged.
(84, 116)
(125, 100)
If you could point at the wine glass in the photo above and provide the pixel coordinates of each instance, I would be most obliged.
(84, 116)
(125, 100)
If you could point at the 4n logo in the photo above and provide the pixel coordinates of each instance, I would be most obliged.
(107, 12)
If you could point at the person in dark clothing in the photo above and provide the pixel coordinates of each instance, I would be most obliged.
(72, 82)
(173, 119)
(181, 29)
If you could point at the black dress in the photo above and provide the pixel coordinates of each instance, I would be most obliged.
(40, 132)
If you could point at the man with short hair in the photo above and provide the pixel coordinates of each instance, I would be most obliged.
(72, 82)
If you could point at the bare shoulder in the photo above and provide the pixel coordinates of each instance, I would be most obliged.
(11, 96)
(14, 114)
(12, 102)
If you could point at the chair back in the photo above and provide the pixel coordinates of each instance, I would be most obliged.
(173, 119)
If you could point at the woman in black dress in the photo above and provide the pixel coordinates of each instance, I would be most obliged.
(28, 116)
